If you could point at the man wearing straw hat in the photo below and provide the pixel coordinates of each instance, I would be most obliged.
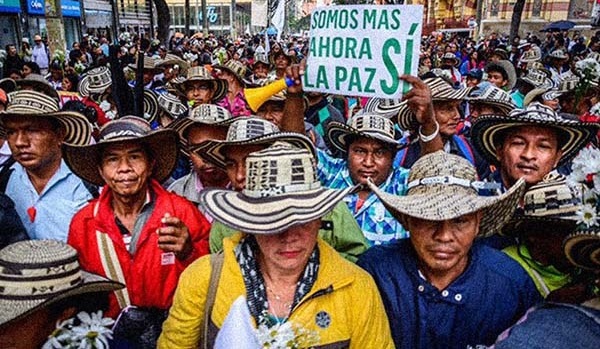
(200, 87)
(136, 232)
(458, 292)
(45, 191)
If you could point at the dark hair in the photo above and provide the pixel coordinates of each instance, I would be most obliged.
(35, 68)
(73, 79)
(493, 67)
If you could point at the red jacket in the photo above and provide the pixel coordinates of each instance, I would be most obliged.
(149, 284)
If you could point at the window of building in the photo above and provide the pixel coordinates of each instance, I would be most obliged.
(580, 9)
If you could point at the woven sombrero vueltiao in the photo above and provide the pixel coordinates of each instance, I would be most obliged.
(84, 160)
(95, 81)
(200, 74)
(237, 68)
(150, 105)
(551, 202)
(583, 248)
(371, 126)
(444, 186)
(537, 78)
(149, 64)
(507, 67)
(38, 83)
(387, 107)
(440, 91)
(171, 104)
(493, 96)
(282, 190)
(171, 59)
(488, 130)
(37, 273)
(36, 104)
(204, 114)
(249, 131)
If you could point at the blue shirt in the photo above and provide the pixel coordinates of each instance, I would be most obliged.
(487, 298)
(63, 196)
(376, 223)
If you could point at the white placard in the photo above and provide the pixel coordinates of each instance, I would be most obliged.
(361, 50)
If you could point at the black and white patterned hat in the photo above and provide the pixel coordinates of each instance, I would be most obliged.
(150, 105)
(171, 105)
(95, 81)
(249, 131)
(488, 130)
(537, 78)
(372, 126)
(282, 190)
(493, 96)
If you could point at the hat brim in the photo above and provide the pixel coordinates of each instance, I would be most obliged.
(156, 69)
(442, 203)
(85, 89)
(150, 106)
(504, 108)
(519, 223)
(338, 135)
(181, 126)
(39, 86)
(220, 87)
(583, 249)
(85, 160)
(269, 215)
(213, 151)
(78, 130)
(407, 120)
(241, 79)
(487, 129)
(529, 97)
(15, 310)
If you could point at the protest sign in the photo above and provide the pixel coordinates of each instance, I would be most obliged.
(361, 50)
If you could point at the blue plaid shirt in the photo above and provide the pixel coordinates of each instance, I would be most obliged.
(376, 223)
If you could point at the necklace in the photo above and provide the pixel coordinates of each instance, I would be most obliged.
(283, 308)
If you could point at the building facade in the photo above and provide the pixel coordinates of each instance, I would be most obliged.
(219, 13)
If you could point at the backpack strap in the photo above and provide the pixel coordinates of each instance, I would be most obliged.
(216, 263)
(465, 148)
(5, 173)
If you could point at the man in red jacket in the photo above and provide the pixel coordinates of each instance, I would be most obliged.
(135, 232)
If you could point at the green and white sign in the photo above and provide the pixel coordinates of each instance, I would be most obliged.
(361, 50)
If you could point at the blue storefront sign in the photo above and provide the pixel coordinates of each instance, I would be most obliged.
(10, 6)
(70, 8)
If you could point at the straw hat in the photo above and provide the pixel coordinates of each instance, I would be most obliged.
(37, 273)
(31, 103)
(440, 91)
(371, 126)
(237, 68)
(558, 54)
(84, 160)
(249, 131)
(37, 83)
(444, 186)
(568, 84)
(282, 190)
(493, 96)
(171, 104)
(95, 81)
(149, 64)
(150, 105)
(537, 78)
(201, 74)
(551, 202)
(507, 67)
(583, 248)
(204, 114)
(387, 107)
(531, 55)
(449, 56)
(171, 59)
(488, 130)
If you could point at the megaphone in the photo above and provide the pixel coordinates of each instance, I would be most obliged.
(255, 97)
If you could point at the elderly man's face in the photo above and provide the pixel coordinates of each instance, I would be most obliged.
(369, 158)
(288, 252)
(530, 152)
(443, 247)
(34, 141)
(447, 116)
(126, 169)
(209, 174)
(235, 163)
(201, 92)
(271, 111)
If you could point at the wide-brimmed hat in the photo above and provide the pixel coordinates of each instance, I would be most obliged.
(444, 186)
(371, 126)
(37, 273)
(507, 67)
(551, 202)
(493, 96)
(149, 64)
(84, 160)
(500, 52)
(171, 59)
(8, 85)
(150, 105)
(37, 83)
(32, 103)
(261, 58)
(249, 131)
(537, 78)
(282, 190)
(582, 248)
(488, 130)
(201, 74)
(171, 105)
(568, 84)
(449, 56)
(203, 114)
(95, 81)
(558, 54)
(441, 90)
(387, 107)
(531, 55)
(237, 68)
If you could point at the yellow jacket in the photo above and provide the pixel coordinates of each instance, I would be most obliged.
(343, 291)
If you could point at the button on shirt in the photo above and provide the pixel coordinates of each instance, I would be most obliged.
(376, 223)
(63, 196)
(488, 297)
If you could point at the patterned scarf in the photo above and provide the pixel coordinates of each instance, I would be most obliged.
(256, 295)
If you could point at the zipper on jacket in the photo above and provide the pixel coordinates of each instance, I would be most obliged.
(319, 293)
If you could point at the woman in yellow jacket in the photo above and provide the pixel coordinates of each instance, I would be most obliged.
(285, 273)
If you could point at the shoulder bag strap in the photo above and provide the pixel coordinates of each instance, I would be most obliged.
(112, 267)
(216, 263)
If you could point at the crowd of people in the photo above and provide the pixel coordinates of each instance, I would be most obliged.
(199, 197)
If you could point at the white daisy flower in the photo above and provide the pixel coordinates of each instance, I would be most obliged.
(587, 215)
